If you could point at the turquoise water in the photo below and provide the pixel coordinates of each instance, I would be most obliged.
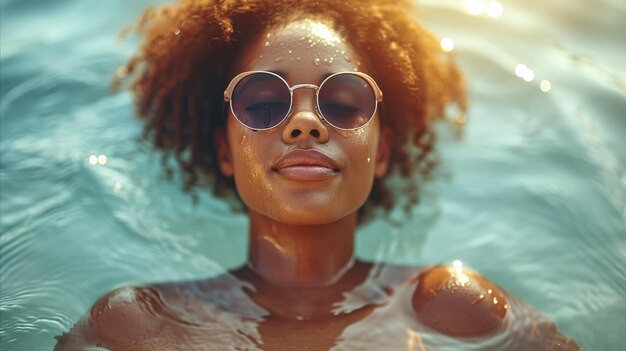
(532, 194)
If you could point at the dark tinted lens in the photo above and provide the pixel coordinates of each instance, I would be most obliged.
(261, 100)
(347, 101)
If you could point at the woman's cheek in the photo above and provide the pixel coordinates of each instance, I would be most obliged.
(250, 169)
(361, 151)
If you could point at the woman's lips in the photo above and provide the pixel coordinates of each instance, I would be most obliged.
(306, 165)
(306, 172)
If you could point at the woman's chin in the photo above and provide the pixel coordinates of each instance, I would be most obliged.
(308, 215)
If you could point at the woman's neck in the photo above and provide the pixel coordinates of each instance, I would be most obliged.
(300, 255)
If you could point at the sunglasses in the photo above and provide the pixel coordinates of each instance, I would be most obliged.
(262, 100)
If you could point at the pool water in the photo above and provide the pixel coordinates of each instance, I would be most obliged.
(531, 192)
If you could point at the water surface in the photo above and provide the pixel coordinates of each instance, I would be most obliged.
(532, 195)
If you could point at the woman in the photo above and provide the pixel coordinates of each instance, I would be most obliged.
(302, 107)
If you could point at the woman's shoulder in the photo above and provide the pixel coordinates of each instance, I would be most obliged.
(449, 299)
(155, 316)
(116, 320)
(459, 302)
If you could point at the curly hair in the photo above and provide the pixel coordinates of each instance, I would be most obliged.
(184, 64)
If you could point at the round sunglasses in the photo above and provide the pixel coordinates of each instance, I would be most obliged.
(261, 100)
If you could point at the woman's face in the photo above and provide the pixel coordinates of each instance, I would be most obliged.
(304, 171)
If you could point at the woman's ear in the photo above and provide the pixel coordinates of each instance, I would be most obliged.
(383, 154)
(224, 156)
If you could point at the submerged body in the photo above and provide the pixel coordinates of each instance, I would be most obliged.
(371, 308)
(305, 144)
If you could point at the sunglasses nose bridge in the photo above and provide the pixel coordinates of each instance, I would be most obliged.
(312, 106)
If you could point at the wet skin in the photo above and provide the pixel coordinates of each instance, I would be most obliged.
(302, 288)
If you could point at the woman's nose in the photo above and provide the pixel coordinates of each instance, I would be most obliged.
(304, 122)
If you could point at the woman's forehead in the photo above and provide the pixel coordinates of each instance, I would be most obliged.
(315, 32)
(301, 46)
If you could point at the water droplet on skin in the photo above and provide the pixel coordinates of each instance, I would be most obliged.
(316, 61)
(369, 160)
(290, 51)
(260, 56)
(177, 31)
(298, 58)
(269, 35)
(393, 45)
(278, 59)
(267, 43)
(348, 59)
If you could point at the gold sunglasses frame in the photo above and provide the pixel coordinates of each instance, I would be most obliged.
(378, 94)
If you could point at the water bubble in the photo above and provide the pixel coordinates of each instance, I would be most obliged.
(494, 8)
(446, 44)
(278, 59)
(545, 85)
(267, 43)
(289, 51)
(93, 159)
(529, 75)
(316, 61)
(298, 58)
(475, 7)
(347, 58)
(102, 159)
